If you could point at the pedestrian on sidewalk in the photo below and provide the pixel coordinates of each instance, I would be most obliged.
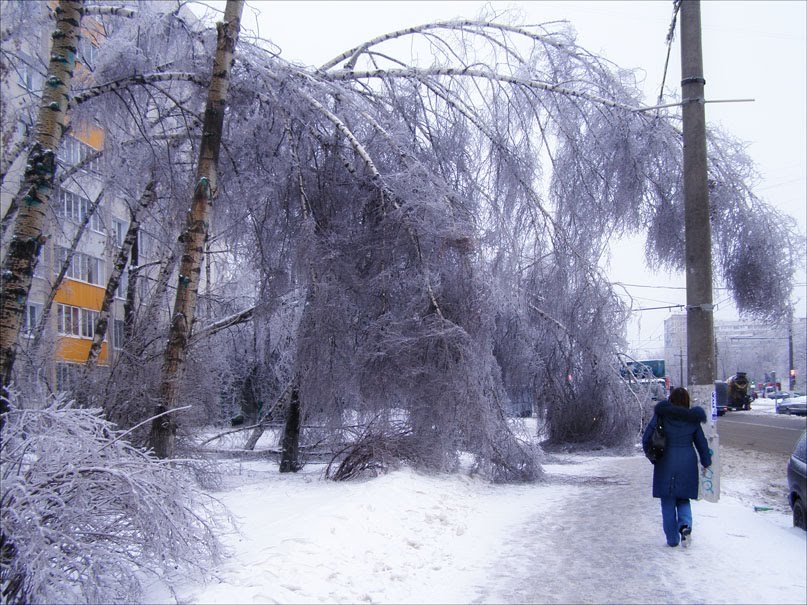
(675, 474)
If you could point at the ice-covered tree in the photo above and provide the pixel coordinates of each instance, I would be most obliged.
(437, 223)
(85, 514)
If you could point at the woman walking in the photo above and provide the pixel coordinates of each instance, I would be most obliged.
(675, 474)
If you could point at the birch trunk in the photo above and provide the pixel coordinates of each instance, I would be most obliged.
(102, 323)
(27, 236)
(163, 430)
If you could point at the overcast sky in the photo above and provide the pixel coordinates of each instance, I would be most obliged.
(750, 50)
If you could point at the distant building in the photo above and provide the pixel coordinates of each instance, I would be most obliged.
(757, 348)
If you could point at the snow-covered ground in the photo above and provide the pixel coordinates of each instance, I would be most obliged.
(590, 533)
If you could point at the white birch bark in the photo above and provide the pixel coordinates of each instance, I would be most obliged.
(28, 234)
(164, 429)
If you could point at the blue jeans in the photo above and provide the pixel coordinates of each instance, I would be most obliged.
(675, 513)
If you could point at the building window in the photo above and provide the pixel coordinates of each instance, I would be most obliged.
(119, 231)
(30, 317)
(94, 272)
(67, 376)
(73, 152)
(87, 52)
(82, 267)
(42, 260)
(74, 321)
(76, 207)
(144, 244)
(68, 320)
(88, 319)
(29, 78)
(117, 333)
(123, 284)
(143, 292)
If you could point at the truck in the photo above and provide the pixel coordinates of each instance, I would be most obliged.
(739, 395)
(721, 397)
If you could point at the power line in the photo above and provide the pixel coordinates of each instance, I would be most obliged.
(617, 283)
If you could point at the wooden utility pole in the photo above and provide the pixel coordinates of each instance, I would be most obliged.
(698, 231)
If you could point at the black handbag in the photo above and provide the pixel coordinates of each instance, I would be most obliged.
(658, 441)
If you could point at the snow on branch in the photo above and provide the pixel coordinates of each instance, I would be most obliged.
(114, 11)
(471, 72)
(139, 80)
(97, 510)
(222, 324)
(462, 25)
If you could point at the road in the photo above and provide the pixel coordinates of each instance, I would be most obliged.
(764, 433)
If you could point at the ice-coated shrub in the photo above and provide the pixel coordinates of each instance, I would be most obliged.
(85, 515)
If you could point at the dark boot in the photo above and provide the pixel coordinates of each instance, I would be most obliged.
(686, 535)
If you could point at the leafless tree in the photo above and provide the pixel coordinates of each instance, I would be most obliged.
(437, 225)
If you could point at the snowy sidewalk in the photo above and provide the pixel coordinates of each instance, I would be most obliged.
(605, 545)
(590, 534)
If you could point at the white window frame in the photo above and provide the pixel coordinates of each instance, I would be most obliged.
(119, 228)
(66, 376)
(117, 333)
(83, 267)
(145, 244)
(28, 77)
(123, 284)
(88, 319)
(31, 315)
(68, 320)
(75, 207)
(87, 52)
(73, 151)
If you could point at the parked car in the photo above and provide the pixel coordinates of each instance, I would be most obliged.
(797, 482)
(797, 407)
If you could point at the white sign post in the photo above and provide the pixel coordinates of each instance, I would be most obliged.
(709, 486)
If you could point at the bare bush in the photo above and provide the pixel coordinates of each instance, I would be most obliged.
(378, 449)
(84, 513)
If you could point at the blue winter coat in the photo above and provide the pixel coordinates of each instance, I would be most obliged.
(676, 472)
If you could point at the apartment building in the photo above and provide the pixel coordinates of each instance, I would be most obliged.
(68, 329)
(757, 348)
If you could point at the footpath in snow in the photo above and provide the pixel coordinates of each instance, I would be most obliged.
(591, 533)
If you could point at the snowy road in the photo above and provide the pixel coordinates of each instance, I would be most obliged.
(768, 433)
